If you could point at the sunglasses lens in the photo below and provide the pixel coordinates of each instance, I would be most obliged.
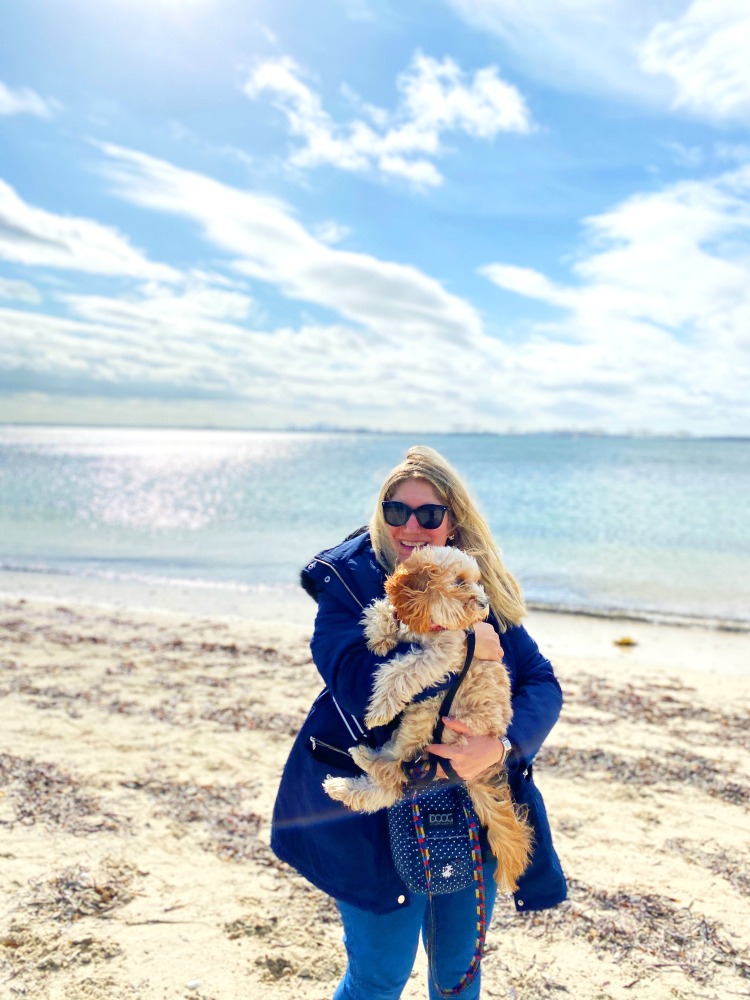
(395, 513)
(430, 515)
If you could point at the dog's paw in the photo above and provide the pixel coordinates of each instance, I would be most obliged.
(381, 647)
(337, 788)
(381, 627)
(380, 717)
(363, 756)
(386, 703)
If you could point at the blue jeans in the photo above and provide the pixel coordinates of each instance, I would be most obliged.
(381, 947)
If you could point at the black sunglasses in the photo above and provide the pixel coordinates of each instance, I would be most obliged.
(429, 515)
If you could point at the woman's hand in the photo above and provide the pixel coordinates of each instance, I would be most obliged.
(488, 643)
(478, 753)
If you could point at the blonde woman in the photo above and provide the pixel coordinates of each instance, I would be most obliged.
(346, 854)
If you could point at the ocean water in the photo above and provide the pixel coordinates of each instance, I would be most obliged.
(653, 526)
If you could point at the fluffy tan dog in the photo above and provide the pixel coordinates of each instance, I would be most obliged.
(432, 597)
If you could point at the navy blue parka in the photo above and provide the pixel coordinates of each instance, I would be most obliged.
(345, 853)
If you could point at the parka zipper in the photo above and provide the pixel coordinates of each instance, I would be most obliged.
(315, 742)
(354, 718)
(342, 580)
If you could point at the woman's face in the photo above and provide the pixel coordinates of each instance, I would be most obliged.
(415, 492)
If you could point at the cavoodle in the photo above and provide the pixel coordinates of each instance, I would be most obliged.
(431, 598)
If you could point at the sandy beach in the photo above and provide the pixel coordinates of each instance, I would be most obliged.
(139, 757)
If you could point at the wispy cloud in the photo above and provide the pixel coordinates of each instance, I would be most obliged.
(398, 328)
(651, 332)
(691, 56)
(706, 52)
(437, 97)
(25, 101)
(661, 301)
(577, 45)
(267, 243)
(37, 238)
(18, 291)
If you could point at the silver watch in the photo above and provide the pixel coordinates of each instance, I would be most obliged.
(507, 746)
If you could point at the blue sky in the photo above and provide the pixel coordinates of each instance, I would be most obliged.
(443, 215)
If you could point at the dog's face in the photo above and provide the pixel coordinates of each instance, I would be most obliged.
(437, 586)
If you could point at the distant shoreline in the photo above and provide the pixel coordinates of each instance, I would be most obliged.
(639, 435)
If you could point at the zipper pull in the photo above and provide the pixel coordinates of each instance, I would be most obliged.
(312, 742)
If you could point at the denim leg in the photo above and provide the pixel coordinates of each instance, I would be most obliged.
(380, 948)
(456, 934)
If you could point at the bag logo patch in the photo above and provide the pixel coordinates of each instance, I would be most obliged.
(440, 819)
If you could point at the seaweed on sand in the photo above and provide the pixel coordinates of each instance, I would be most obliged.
(231, 831)
(40, 792)
(650, 930)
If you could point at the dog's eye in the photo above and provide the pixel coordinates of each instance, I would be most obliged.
(460, 581)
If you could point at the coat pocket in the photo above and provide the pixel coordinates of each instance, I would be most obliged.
(327, 753)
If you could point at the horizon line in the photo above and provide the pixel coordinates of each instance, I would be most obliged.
(334, 429)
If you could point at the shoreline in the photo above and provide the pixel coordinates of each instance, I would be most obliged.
(281, 602)
(650, 617)
(694, 645)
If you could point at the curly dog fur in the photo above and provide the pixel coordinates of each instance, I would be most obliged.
(436, 587)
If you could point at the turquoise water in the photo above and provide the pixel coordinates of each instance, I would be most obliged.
(660, 526)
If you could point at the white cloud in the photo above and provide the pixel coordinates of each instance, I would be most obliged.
(267, 243)
(661, 306)
(436, 97)
(398, 333)
(577, 45)
(331, 232)
(25, 102)
(37, 238)
(706, 52)
(129, 348)
(528, 282)
(691, 157)
(199, 308)
(672, 53)
(736, 152)
(19, 291)
(358, 10)
(652, 332)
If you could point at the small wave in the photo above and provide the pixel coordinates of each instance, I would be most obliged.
(651, 616)
(114, 576)
(654, 616)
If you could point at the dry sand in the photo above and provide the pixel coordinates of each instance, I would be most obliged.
(139, 757)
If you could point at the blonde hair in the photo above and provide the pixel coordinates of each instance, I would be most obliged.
(470, 530)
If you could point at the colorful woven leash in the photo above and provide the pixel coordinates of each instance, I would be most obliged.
(476, 854)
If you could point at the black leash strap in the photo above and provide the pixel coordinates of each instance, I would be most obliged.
(445, 708)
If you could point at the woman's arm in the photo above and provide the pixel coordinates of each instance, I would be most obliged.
(537, 697)
(340, 652)
(536, 701)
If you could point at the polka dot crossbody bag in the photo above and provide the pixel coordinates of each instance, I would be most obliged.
(434, 834)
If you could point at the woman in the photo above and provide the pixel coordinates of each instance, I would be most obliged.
(347, 854)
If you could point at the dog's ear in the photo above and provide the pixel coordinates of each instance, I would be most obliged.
(407, 592)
